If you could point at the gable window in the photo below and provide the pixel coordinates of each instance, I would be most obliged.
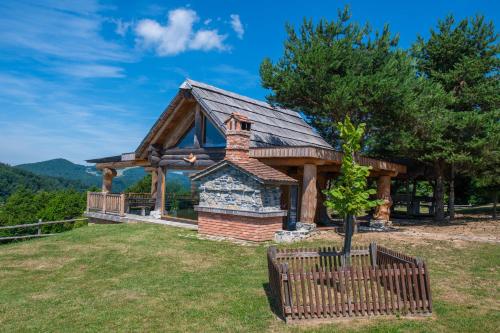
(187, 140)
(212, 137)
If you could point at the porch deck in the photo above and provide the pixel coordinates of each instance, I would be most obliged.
(132, 218)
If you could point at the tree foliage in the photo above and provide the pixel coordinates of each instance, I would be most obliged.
(142, 186)
(349, 193)
(331, 70)
(26, 206)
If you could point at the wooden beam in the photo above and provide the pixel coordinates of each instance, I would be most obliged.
(198, 126)
(309, 194)
(195, 151)
(328, 156)
(187, 165)
(122, 165)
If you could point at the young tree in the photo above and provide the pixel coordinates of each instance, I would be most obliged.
(331, 70)
(349, 195)
(463, 59)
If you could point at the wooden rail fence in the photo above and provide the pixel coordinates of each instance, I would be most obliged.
(314, 284)
(38, 226)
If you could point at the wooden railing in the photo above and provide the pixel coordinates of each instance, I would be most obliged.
(313, 283)
(38, 227)
(106, 203)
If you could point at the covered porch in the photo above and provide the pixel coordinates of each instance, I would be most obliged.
(190, 135)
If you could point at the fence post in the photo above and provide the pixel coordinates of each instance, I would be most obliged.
(39, 227)
(373, 253)
(88, 201)
(287, 288)
(104, 202)
(122, 204)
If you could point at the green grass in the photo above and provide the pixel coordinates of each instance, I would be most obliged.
(156, 278)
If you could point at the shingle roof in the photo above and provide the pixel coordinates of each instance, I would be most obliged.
(272, 126)
(261, 171)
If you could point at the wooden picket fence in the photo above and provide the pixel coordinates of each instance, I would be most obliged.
(315, 284)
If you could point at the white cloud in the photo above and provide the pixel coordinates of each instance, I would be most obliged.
(66, 31)
(91, 71)
(237, 25)
(207, 40)
(178, 35)
(207, 21)
(122, 27)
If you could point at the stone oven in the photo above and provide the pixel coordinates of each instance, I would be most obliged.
(239, 196)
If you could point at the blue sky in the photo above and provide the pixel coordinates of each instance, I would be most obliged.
(84, 79)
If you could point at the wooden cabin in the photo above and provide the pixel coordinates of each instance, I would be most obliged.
(191, 135)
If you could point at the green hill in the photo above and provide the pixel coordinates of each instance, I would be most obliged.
(88, 175)
(11, 178)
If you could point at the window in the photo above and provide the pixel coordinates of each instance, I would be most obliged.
(187, 140)
(212, 137)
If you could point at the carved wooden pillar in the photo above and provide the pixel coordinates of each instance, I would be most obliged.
(107, 179)
(383, 212)
(309, 194)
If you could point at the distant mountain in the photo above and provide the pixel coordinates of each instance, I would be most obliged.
(11, 178)
(87, 175)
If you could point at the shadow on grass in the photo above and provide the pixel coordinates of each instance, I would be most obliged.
(272, 301)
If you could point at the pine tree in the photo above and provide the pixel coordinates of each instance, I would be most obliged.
(463, 59)
(331, 70)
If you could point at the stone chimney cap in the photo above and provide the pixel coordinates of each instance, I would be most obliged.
(239, 117)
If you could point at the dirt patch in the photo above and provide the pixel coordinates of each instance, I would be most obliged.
(469, 228)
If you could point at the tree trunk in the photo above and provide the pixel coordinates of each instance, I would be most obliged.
(439, 192)
(348, 231)
(495, 202)
(451, 199)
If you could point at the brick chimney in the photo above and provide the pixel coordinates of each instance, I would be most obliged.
(238, 133)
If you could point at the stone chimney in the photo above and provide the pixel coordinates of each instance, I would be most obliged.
(238, 133)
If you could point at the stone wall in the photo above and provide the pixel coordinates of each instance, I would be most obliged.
(230, 188)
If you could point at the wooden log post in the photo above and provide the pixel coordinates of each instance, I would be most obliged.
(383, 212)
(160, 189)
(107, 179)
(309, 194)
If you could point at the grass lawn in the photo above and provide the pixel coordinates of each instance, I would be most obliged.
(157, 278)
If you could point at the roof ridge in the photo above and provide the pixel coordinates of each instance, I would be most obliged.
(228, 93)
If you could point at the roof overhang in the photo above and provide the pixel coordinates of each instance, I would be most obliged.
(321, 156)
(125, 160)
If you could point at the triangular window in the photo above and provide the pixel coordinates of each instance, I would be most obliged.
(187, 140)
(212, 137)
